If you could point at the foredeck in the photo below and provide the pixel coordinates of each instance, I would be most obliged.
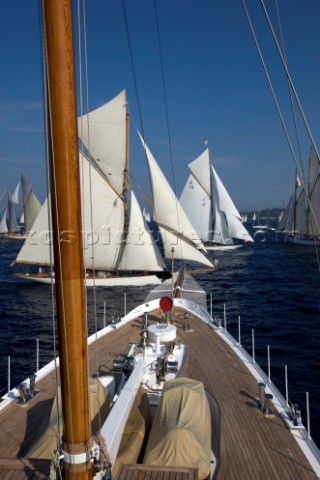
(252, 446)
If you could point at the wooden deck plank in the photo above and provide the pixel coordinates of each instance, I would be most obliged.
(252, 446)
(148, 472)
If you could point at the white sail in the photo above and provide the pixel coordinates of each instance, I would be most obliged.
(221, 233)
(314, 215)
(141, 251)
(289, 226)
(283, 223)
(235, 226)
(31, 210)
(203, 194)
(102, 231)
(175, 227)
(37, 247)
(104, 134)
(183, 248)
(14, 198)
(197, 205)
(22, 218)
(3, 223)
(26, 187)
(12, 221)
(302, 214)
(200, 169)
(313, 170)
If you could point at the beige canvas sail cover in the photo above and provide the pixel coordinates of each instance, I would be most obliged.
(50, 431)
(135, 432)
(181, 431)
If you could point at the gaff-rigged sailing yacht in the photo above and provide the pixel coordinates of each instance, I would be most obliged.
(9, 226)
(164, 393)
(300, 219)
(119, 246)
(210, 208)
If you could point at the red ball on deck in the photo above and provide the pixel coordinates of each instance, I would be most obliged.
(166, 304)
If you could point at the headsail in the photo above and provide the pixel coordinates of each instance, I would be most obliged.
(175, 227)
(3, 223)
(235, 226)
(12, 221)
(32, 208)
(141, 251)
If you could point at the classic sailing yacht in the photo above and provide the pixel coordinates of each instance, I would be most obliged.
(176, 395)
(300, 220)
(119, 246)
(30, 208)
(210, 208)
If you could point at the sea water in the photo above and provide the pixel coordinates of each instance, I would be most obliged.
(274, 288)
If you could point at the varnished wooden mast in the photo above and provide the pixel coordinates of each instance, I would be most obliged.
(68, 252)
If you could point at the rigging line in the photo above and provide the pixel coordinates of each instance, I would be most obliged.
(133, 68)
(3, 195)
(293, 114)
(290, 80)
(90, 176)
(82, 146)
(167, 114)
(279, 111)
(290, 89)
(46, 116)
(136, 87)
(296, 130)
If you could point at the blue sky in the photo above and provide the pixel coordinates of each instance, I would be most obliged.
(216, 89)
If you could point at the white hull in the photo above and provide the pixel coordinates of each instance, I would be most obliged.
(302, 241)
(264, 228)
(296, 240)
(13, 236)
(224, 247)
(136, 280)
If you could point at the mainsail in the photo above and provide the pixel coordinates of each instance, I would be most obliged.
(104, 134)
(197, 205)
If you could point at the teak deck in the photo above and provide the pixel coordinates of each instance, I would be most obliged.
(144, 472)
(252, 446)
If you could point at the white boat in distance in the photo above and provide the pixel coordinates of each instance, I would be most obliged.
(210, 208)
(9, 227)
(300, 219)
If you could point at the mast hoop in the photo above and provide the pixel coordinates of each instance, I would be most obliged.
(76, 458)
